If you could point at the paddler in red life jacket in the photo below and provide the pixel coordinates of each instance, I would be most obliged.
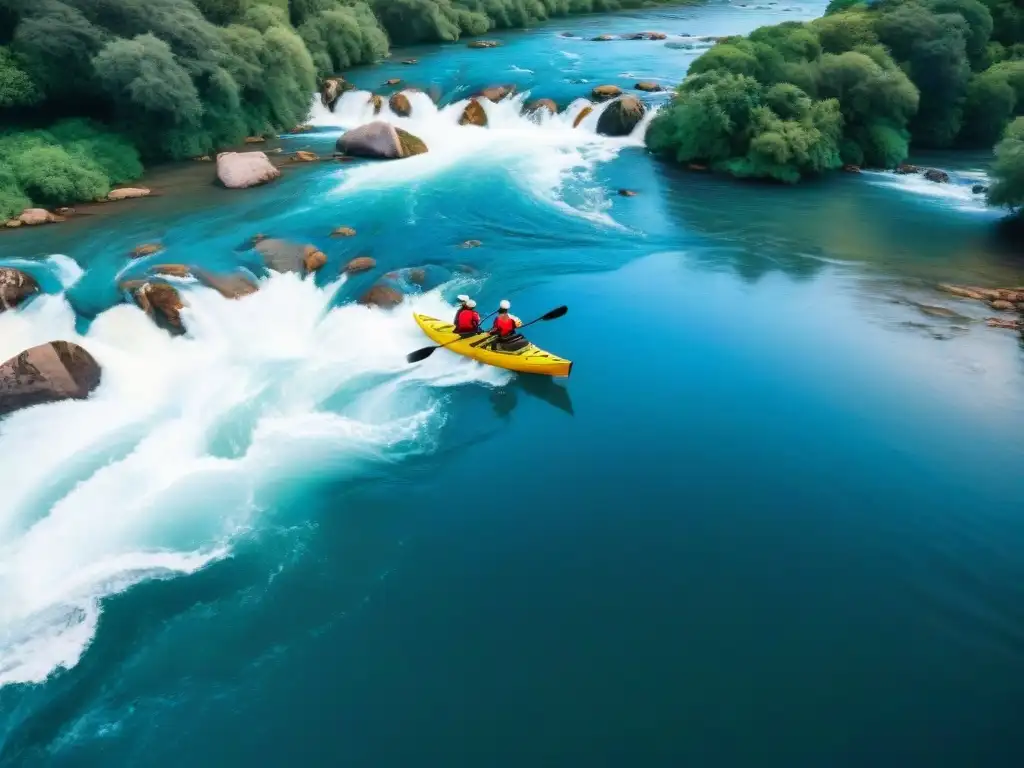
(505, 325)
(467, 319)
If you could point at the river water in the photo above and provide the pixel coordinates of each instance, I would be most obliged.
(774, 518)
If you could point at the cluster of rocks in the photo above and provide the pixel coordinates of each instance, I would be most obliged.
(1007, 300)
(629, 36)
(33, 217)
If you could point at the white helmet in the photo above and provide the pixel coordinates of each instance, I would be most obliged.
(470, 303)
(505, 304)
(462, 298)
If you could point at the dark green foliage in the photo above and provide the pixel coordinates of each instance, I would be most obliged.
(1008, 170)
(16, 87)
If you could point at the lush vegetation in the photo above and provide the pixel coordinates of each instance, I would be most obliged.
(858, 86)
(91, 88)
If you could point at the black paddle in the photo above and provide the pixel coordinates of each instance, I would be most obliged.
(423, 354)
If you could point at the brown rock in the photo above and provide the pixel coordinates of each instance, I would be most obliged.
(999, 322)
(621, 116)
(160, 301)
(12, 223)
(58, 370)
(627, 193)
(146, 249)
(15, 287)
(473, 114)
(648, 86)
(313, 259)
(939, 177)
(536, 106)
(417, 276)
(582, 116)
(380, 140)
(400, 105)
(303, 156)
(233, 286)
(905, 168)
(850, 168)
(471, 244)
(331, 90)
(605, 92)
(343, 232)
(383, 296)
(484, 44)
(239, 170)
(496, 93)
(377, 101)
(65, 211)
(603, 38)
(33, 217)
(283, 255)
(255, 139)
(408, 144)
(965, 293)
(699, 167)
(360, 264)
(304, 128)
(1002, 305)
(393, 81)
(654, 35)
(172, 270)
(127, 193)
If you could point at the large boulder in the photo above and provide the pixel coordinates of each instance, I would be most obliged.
(15, 287)
(939, 177)
(127, 193)
(381, 140)
(473, 114)
(400, 105)
(160, 301)
(381, 295)
(331, 90)
(648, 86)
(621, 116)
(48, 373)
(239, 170)
(605, 92)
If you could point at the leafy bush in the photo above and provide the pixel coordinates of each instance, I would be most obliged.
(1008, 170)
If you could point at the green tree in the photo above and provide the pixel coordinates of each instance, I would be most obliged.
(1008, 169)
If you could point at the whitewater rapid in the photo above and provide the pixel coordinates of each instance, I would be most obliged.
(188, 440)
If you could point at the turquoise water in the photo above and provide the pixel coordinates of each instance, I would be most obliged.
(773, 518)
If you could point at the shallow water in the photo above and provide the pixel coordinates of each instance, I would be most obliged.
(772, 519)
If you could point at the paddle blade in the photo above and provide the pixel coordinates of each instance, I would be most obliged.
(554, 314)
(420, 354)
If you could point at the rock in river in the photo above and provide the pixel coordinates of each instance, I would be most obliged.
(32, 217)
(360, 264)
(383, 296)
(313, 259)
(400, 105)
(536, 106)
(621, 116)
(939, 177)
(582, 116)
(473, 114)
(605, 92)
(48, 373)
(127, 193)
(381, 140)
(15, 287)
(331, 90)
(484, 44)
(343, 232)
(160, 301)
(146, 249)
(648, 86)
(285, 256)
(239, 170)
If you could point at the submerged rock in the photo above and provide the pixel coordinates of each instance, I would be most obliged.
(360, 264)
(627, 193)
(484, 44)
(582, 116)
(536, 106)
(400, 105)
(621, 116)
(343, 232)
(939, 177)
(15, 287)
(393, 81)
(383, 296)
(233, 286)
(602, 38)
(283, 255)
(473, 114)
(471, 244)
(146, 249)
(240, 170)
(380, 140)
(304, 156)
(417, 276)
(605, 92)
(48, 373)
(411, 61)
(979, 189)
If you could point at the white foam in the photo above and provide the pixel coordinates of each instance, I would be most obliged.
(542, 153)
(187, 440)
(955, 194)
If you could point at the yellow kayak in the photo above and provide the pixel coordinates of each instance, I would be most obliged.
(529, 359)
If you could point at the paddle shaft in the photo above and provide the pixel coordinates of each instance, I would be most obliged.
(422, 354)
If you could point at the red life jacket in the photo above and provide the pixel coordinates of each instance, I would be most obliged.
(504, 325)
(466, 320)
